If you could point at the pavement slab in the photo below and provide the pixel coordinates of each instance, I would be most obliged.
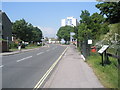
(72, 72)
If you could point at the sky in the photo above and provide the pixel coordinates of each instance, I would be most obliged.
(46, 15)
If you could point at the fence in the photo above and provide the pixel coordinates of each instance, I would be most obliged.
(105, 55)
(85, 48)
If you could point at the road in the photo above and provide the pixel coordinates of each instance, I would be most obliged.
(24, 70)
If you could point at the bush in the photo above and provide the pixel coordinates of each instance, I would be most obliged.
(41, 44)
(13, 45)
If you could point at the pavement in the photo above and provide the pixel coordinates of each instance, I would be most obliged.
(24, 70)
(72, 72)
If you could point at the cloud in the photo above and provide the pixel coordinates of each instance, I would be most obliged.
(48, 31)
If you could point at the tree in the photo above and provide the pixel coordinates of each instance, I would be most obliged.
(21, 30)
(84, 26)
(64, 33)
(83, 31)
(97, 18)
(111, 10)
(25, 31)
(85, 17)
(98, 26)
(37, 34)
(91, 27)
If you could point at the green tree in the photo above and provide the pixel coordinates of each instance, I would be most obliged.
(83, 32)
(85, 17)
(37, 34)
(111, 10)
(26, 31)
(64, 33)
(98, 26)
(19, 29)
(91, 27)
(84, 26)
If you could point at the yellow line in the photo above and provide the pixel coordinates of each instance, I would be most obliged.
(48, 72)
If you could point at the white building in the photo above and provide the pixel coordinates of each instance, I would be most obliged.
(70, 21)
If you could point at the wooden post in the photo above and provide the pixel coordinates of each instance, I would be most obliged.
(102, 59)
(105, 56)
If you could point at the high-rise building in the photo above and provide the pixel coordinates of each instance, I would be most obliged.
(70, 21)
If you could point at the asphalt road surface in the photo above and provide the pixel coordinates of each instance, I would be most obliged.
(24, 70)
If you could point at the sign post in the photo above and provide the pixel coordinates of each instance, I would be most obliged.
(89, 41)
(103, 54)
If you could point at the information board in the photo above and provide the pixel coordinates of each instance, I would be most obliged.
(105, 47)
(89, 41)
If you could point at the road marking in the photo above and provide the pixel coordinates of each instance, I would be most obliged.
(38, 85)
(48, 46)
(48, 50)
(24, 58)
(40, 53)
(53, 48)
(1, 66)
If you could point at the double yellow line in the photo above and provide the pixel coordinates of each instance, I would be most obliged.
(38, 85)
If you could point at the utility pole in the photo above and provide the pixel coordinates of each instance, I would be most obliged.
(42, 40)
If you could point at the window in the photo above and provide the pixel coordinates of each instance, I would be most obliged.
(69, 21)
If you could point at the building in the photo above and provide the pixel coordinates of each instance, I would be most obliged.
(70, 21)
(5, 32)
(6, 27)
(0, 25)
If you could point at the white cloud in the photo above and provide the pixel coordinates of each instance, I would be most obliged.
(48, 31)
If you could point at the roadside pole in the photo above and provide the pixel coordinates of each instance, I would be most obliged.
(42, 40)
(76, 43)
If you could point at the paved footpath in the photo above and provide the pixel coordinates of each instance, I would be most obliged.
(72, 72)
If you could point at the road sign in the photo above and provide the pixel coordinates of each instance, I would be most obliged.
(104, 48)
(89, 41)
(72, 33)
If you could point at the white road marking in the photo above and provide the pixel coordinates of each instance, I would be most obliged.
(48, 50)
(41, 81)
(53, 48)
(40, 53)
(1, 66)
(24, 58)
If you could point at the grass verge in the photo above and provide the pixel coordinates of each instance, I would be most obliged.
(108, 74)
(27, 47)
